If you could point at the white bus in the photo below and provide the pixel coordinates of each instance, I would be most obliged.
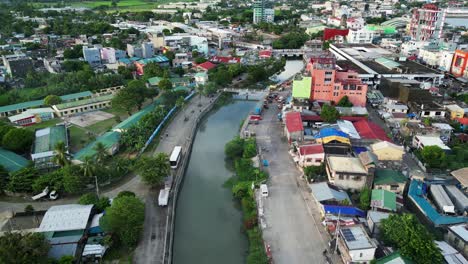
(175, 157)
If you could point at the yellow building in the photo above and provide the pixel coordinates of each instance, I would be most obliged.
(455, 111)
(385, 150)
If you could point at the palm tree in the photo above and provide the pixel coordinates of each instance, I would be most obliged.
(101, 152)
(88, 166)
(61, 154)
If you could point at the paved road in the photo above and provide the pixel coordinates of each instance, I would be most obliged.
(291, 230)
(151, 247)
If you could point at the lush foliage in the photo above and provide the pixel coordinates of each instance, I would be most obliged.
(22, 180)
(344, 102)
(52, 100)
(411, 238)
(292, 40)
(153, 169)
(434, 156)
(364, 198)
(24, 248)
(18, 140)
(130, 97)
(329, 114)
(91, 198)
(124, 219)
(315, 173)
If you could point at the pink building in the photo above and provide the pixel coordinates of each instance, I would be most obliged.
(427, 23)
(329, 84)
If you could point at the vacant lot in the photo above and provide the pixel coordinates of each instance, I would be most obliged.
(102, 126)
(78, 138)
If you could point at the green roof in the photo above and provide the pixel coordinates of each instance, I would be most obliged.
(181, 88)
(108, 139)
(19, 106)
(85, 101)
(133, 119)
(154, 80)
(301, 89)
(201, 74)
(74, 96)
(388, 176)
(157, 59)
(383, 199)
(387, 63)
(47, 138)
(11, 161)
(395, 257)
(385, 29)
(37, 103)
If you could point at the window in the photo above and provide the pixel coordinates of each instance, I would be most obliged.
(340, 177)
(437, 113)
(308, 160)
(335, 94)
(327, 79)
(357, 178)
(394, 187)
(328, 73)
(359, 88)
(337, 87)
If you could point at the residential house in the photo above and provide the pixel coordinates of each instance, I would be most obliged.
(374, 219)
(17, 65)
(369, 131)
(159, 59)
(44, 145)
(310, 155)
(32, 116)
(451, 255)
(457, 237)
(385, 150)
(394, 258)
(355, 245)
(64, 226)
(420, 142)
(347, 172)
(396, 108)
(294, 129)
(325, 194)
(383, 200)
(201, 78)
(463, 123)
(455, 111)
(461, 176)
(390, 180)
(92, 55)
(205, 66)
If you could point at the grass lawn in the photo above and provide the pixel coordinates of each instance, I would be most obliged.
(45, 124)
(102, 126)
(78, 138)
(122, 5)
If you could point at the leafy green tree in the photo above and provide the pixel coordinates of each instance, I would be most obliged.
(130, 97)
(364, 198)
(434, 156)
(18, 140)
(209, 88)
(256, 73)
(179, 71)
(73, 53)
(22, 180)
(180, 102)
(152, 69)
(3, 178)
(153, 170)
(24, 248)
(200, 60)
(234, 149)
(126, 193)
(4, 129)
(427, 121)
(52, 179)
(91, 198)
(344, 102)
(165, 84)
(126, 72)
(250, 148)
(52, 100)
(412, 239)
(66, 260)
(124, 218)
(73, 181)
(329, 114)
(314, 173)
(101, 153)
(61, 156)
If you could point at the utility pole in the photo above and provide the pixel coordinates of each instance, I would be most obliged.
(97, 187)
(337, 232)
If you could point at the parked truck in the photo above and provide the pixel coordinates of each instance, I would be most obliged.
(163, 198)
(43, 194)
(441, 199)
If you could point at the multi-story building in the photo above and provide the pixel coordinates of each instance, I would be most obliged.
(92, 55)
(427, 23)
(348, 172)
(111, 55)
(17, 65)
(134, 51)
(186, 43)
(363, 35)
(459, 63)
(147, 50)
(330, 84)
(261, 13)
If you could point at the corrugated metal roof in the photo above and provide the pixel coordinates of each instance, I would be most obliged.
(108, 139)
(47, 138)
(293, 122)
(383, 199)
(65, 217)
(11, 161)
(322, 192)
(74, 96)
(301, 88)
(388, 176)
(85, 101)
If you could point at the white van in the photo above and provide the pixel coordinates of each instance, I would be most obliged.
(264, 190)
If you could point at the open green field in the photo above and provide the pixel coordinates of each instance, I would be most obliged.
(102, 126)
(78, 138)
(45, 124)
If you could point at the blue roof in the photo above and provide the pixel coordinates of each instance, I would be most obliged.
(359, 150)
(125, 61)
(415, 193)
(158, 58)
(344, 210)
(330, 132)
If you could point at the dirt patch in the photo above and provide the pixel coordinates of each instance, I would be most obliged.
(89, 118)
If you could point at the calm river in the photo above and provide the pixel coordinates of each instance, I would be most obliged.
(208, 220)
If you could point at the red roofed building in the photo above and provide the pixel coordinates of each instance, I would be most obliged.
(264, 54)
(294, 129)
(369, 130)
(310, 155)
(206, 66)
(463, 123)
(226, 60)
